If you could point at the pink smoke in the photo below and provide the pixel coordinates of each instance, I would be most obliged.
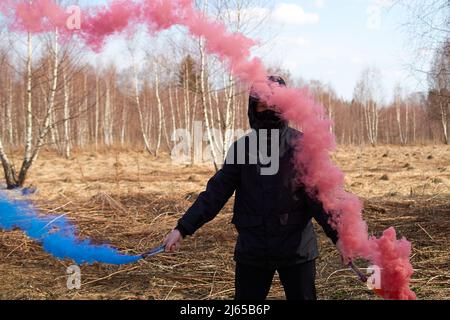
(105, 21)
(37, 17)
(312, 160)
(317, 172)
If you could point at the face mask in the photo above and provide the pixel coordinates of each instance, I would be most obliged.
(268, 119)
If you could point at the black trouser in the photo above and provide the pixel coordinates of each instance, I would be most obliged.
(253, 283)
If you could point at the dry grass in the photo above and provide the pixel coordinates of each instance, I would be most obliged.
(132, 201)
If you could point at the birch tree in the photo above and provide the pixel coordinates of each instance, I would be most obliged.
(33, 144)
(138, 105)
(439, 95)
(66, 121)
(398, 99)
(367, 94)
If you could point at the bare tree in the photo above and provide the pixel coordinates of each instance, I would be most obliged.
(398, 100)
(367, 94)
(9, 105)
(439, 95)
(97, 110)
(203, 95)
(107, 115)
(123, 122)
(32, 144)
(161, 120)
(137, 101)
(66, 121)
(428, 26)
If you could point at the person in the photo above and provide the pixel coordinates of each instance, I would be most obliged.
(272, 215)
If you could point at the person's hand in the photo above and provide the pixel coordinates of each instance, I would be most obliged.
(173, 241)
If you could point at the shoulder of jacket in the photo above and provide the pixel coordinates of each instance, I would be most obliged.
(294, 133)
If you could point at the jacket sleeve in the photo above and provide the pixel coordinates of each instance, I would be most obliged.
(322, 217)
(218, 191)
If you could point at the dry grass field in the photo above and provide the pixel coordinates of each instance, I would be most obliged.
(131, 201)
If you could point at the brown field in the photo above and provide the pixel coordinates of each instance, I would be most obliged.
(131, 200)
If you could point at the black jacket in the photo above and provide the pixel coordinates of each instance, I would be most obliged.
(271, 215)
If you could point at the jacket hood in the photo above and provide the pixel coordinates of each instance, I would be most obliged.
(268, 119)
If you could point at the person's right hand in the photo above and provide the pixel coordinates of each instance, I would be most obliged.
(173, 241)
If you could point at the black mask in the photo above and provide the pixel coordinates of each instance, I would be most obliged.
(268, 119)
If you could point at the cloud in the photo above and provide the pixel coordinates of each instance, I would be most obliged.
(252, 13)
(289, 13)
(320, 3)
(383, 3)
(295, 41)
(356, 60)
(328, 53)
(284, 13)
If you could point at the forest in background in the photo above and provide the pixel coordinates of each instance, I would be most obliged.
(52, 96)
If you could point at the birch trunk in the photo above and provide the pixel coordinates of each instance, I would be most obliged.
(97, 111)
(66, 117)
(187, 105)
(107, 116)
(124, 123)
(444, 120)
(29, 107)
(139, 109)
(406, 136)
(54, 133)
(162, 118)
(399, 119)
(414, 124)
(228, 125)
(8, 169)
(83, 117)
(177, 107)
(204, 104)
(32, 153)
(9, 125)
(172, 110)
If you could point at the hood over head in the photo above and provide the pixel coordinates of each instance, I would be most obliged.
(268, 119)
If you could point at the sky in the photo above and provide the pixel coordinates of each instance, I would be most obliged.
(327, 40)
(333, 41)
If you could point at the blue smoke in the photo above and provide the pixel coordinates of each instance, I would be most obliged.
(56, 234)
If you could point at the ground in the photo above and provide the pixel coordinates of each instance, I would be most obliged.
(131, 200)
